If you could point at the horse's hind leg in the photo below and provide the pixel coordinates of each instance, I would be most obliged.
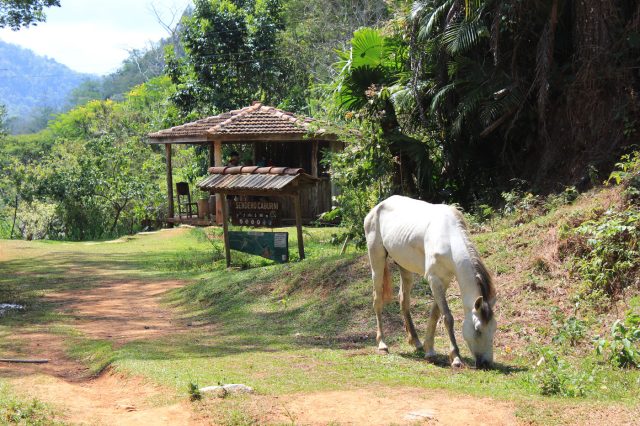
(434, 316)
(378, 259)
(439, 294)
(406, 284)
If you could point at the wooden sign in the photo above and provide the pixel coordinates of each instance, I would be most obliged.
(270, 245)
(255, 213)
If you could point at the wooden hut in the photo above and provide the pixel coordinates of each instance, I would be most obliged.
(280, 137)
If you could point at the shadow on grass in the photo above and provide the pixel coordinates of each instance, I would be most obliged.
(442, 360)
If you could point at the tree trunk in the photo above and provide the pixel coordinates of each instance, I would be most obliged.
(115, 221)
(15, 215)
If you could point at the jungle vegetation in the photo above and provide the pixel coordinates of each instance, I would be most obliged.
(451, 101)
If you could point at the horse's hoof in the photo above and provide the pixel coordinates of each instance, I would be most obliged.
(383, 351)
(457, 363)
(430, 356)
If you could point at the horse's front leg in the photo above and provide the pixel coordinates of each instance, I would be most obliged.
(439, 294)
(406, 285)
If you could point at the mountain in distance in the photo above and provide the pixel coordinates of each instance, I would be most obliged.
(33, 86)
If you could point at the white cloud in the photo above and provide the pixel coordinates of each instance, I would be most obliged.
(93, 36)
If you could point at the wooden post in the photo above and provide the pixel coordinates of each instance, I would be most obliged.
(212, 154)
(225, 228)
(217, 154)
(334, 146)
(314, 159)
(313, 190)
(254, 152)
(296, 203)
(167, 147)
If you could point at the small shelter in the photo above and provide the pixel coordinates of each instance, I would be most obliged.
(264, 182)
(281, 137)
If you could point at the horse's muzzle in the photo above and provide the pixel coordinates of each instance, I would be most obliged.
(483, 364)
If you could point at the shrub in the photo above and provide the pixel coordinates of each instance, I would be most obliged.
(607, 260)
(628, 174)
(194, 392)
(557, 377)
(568, 330)
(622, 349)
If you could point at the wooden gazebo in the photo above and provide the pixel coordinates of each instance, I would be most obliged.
(280, 137)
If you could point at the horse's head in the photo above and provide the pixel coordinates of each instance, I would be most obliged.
(478, 330)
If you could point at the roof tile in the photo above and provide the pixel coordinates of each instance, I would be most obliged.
(256, 119)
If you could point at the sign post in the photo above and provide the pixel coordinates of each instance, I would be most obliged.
(270, 245)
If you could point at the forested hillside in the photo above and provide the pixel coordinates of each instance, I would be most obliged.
(32, 85)
(442, 100)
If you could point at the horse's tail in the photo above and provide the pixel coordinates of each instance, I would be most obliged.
(387, 295)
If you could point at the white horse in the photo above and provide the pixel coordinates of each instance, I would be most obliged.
(432, 241)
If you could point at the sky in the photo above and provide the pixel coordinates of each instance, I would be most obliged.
(94, 36)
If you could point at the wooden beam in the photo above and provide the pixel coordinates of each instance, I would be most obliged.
(217, 160)
(169, 179)
(296, 203)
(273, 137)
(314, 159)
(195, 140)
(225, 229)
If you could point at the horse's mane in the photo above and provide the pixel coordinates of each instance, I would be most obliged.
(483, 277)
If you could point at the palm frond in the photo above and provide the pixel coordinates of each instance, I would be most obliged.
(427, 21)
(460, 37)
(441, 95)
(367, 48)
(502, 101)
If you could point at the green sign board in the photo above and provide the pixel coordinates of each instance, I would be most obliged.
(270, 245)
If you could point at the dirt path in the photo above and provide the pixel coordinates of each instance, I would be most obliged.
(119, 311)
(387, 406)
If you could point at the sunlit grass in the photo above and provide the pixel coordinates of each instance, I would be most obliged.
(298, 327)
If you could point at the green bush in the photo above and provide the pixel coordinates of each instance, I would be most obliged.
(568, 330)
(557, 377)
(194, 392)
(622, 349)
(628, 174)
(607, 251)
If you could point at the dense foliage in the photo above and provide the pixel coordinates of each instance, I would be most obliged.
(232, 57)
(443, 100)
(91, 174)
(23, 13)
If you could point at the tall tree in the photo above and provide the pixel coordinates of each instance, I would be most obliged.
(534, 90)
(23, 13)
(232, 56)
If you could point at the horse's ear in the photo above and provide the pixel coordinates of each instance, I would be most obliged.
(478, 305)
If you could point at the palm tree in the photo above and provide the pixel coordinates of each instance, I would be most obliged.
(371, 81)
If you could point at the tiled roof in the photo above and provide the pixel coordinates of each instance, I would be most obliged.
(252, 178)
(256, 119)
(228, 170)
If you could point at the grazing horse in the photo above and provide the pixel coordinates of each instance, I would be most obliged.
(431, 240)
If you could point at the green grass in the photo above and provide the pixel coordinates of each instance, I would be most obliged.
(307, 326)
(16, 411)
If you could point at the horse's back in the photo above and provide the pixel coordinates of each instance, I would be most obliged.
(412, 232)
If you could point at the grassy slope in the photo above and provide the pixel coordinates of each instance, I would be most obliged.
(308, 326)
